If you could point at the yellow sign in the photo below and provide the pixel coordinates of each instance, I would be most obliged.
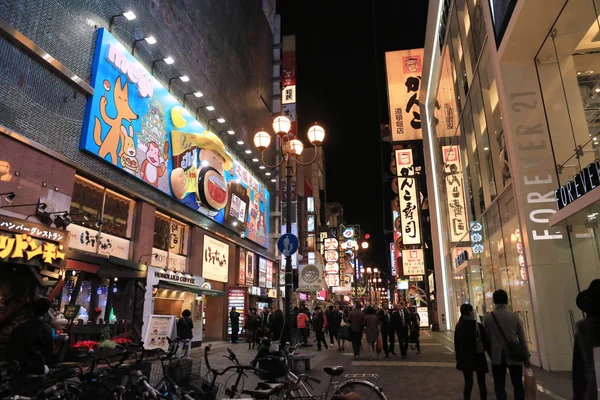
(24, 246)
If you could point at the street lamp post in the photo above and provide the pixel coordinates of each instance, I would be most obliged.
(290, 149)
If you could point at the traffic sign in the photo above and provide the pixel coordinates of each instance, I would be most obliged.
(287, 244)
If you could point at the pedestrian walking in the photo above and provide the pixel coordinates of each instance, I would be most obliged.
(586, 352)
(356, 320)
(319, 325)
(414, 326)
(252, 324)
(295, 331)
(302, 322)
(344, 329)
(185, 325)
(385, 329)
(392, 331)
(508, 346)
(334, 320)
(371, 328)
(234, 317)
(264, 321)
(400, 320)
(470, 345)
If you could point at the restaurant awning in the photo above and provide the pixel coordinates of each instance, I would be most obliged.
(189, 288)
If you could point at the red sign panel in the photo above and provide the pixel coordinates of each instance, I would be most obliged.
(288, 64)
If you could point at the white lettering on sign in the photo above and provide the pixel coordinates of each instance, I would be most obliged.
(532, 138)
(135, 73)
(174, 277)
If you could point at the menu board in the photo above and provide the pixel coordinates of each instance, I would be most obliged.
(237, 299)
(262, 272)
(269, 274)
(424, 315)
(242, 267)
(160, 327)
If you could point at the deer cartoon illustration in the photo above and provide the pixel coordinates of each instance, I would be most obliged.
(110, 144)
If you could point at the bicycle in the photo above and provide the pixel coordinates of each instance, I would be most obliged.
(349, 387)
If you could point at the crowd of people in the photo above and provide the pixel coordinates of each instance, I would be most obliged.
(341, 324)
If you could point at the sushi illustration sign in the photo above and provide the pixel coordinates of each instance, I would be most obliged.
(134, 123)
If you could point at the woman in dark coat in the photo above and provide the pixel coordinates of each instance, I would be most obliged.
(470, 345)
(277, 322)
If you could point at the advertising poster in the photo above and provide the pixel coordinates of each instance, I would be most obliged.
(269, 274)
(413, 262)
(242, 268)
(393, 259)
(160, 327)
(250, 260)
(410, 228)
(134, 123)
(404, 69)
(262, 272)
(424, 316)
(215, 260)
(455, 198)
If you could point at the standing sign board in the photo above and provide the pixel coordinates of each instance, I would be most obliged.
(160, 327)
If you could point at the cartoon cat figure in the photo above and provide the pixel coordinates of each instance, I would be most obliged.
(110, 144)
(128, 160)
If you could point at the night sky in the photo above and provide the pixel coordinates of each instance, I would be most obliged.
(340, 68)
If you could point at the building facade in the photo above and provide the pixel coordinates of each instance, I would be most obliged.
(129, 128)
(510, 114)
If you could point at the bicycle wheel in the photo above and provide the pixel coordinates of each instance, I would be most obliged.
(365, 389)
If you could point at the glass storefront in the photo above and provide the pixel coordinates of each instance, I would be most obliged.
(467, 117)
(568, 67)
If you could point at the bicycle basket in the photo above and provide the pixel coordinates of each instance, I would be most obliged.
(202, 386)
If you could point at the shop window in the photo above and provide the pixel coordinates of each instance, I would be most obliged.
(568, 66)
(462, 73)
(476, 194)
(96, 207)
(170, 244)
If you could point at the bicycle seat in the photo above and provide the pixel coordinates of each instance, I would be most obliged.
(259, 394)
(334, 371)
(269, 386)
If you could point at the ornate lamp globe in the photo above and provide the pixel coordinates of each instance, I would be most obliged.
(282, 125)
(262, 140)
(316, 135)
(296, 147)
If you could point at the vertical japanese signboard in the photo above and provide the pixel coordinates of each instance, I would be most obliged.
(454, 183)
(262, 272)
(249, 268)
(393, 259)
(269, 274)
(407, 192)
(404, 70)
(242, 267)
(288, 82)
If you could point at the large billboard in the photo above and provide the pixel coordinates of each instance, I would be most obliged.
(408, 208)
(133, 122)
(404, 69)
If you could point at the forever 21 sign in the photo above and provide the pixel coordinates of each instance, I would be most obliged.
(583, 182)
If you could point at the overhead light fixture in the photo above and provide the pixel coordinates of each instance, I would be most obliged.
(10, 196)
(262, 167)
(221, 120)
(234, 223)
(486, 148)
(267, 173)
(210, 108)
(184, 78)
(42, 207)
(248, 151)
(273, 180)
(86, 215)
(150, 39)
(231, 132)
(98, 223)
(240, 142)
(168, 60)
(129, 15)
(198, 94)
(255, 159)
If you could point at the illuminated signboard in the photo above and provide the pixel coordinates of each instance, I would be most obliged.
(408, 202)
(135, 124)
(413, 262)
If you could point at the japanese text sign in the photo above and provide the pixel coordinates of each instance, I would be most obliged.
(215, 260)
(408, 201)
(25, 242)
(404, 70)
(454, 184)
(413, 262)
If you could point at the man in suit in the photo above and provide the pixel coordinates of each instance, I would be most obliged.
(400, 319)
(506, 322)
(386, 330)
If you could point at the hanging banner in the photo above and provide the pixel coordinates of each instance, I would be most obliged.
(393, 259)
(445, 110)
(404, 70)
(249, 268)
(453, 179)
(242, 268)
(413, 262)
(215, 261)
(310, 278)
(262, 272)
(269, 274)
(410, 228)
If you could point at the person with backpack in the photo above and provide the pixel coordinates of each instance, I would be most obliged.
(509, 348)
